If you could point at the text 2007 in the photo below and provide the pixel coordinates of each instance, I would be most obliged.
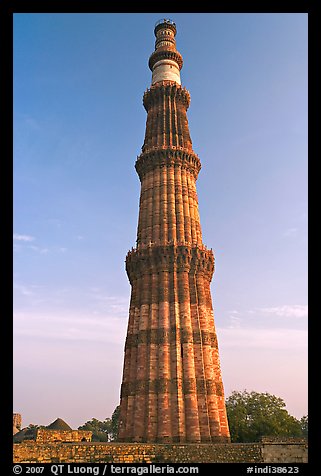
(34, 469)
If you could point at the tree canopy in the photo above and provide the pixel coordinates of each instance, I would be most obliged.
(101, 429)
(252, 415)
(114, 423)
(304, 422)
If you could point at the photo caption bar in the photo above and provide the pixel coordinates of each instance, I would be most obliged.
(104, 469)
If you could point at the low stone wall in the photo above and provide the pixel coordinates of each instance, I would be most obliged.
(32, 452)
(277, 450)
(51, 436)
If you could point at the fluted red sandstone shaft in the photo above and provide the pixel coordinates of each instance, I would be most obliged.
(172, 387)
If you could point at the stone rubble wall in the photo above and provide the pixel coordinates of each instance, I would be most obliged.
(32, 452)
(278, 451)
(52, 436)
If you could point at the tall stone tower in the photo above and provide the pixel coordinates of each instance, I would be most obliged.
(172, 387)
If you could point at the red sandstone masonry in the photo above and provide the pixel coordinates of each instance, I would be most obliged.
(172, 388)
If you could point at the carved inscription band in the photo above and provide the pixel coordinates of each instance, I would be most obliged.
(169, 336)
(170, 386)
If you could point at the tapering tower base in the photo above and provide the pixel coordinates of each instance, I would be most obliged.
(172, 388)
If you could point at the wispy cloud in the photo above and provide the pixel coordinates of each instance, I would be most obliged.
(286, 310)
(114, 304)
(235, 319)
(31, 294)
(271, 339)
(54, 222)
(290, 232)
(70, 326)
(18, 237)
(235, 322)
(23, 289)
(94, 301)
(294, 310)
(22, 242)
(40, 250)
(32, 123)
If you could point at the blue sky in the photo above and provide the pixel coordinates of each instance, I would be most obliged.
(79, 124)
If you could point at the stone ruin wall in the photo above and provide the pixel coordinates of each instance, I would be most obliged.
(54, 436)
(17, 420)
(81, 452)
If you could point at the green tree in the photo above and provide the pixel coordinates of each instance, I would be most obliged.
(114, 423)
(101, 429)
(35, 427)
(304, 422)
(252, 415)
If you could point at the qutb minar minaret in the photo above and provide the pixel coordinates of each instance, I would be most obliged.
(172, 387)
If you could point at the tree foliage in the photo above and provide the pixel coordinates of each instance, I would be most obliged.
(114, 423)
(252, 415)
(35, 427)
(304, 422)
(101, 429)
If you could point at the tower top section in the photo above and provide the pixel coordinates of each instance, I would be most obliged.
(165, 62)
(167, 22)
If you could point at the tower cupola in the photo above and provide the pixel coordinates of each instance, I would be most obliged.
(165, 62)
